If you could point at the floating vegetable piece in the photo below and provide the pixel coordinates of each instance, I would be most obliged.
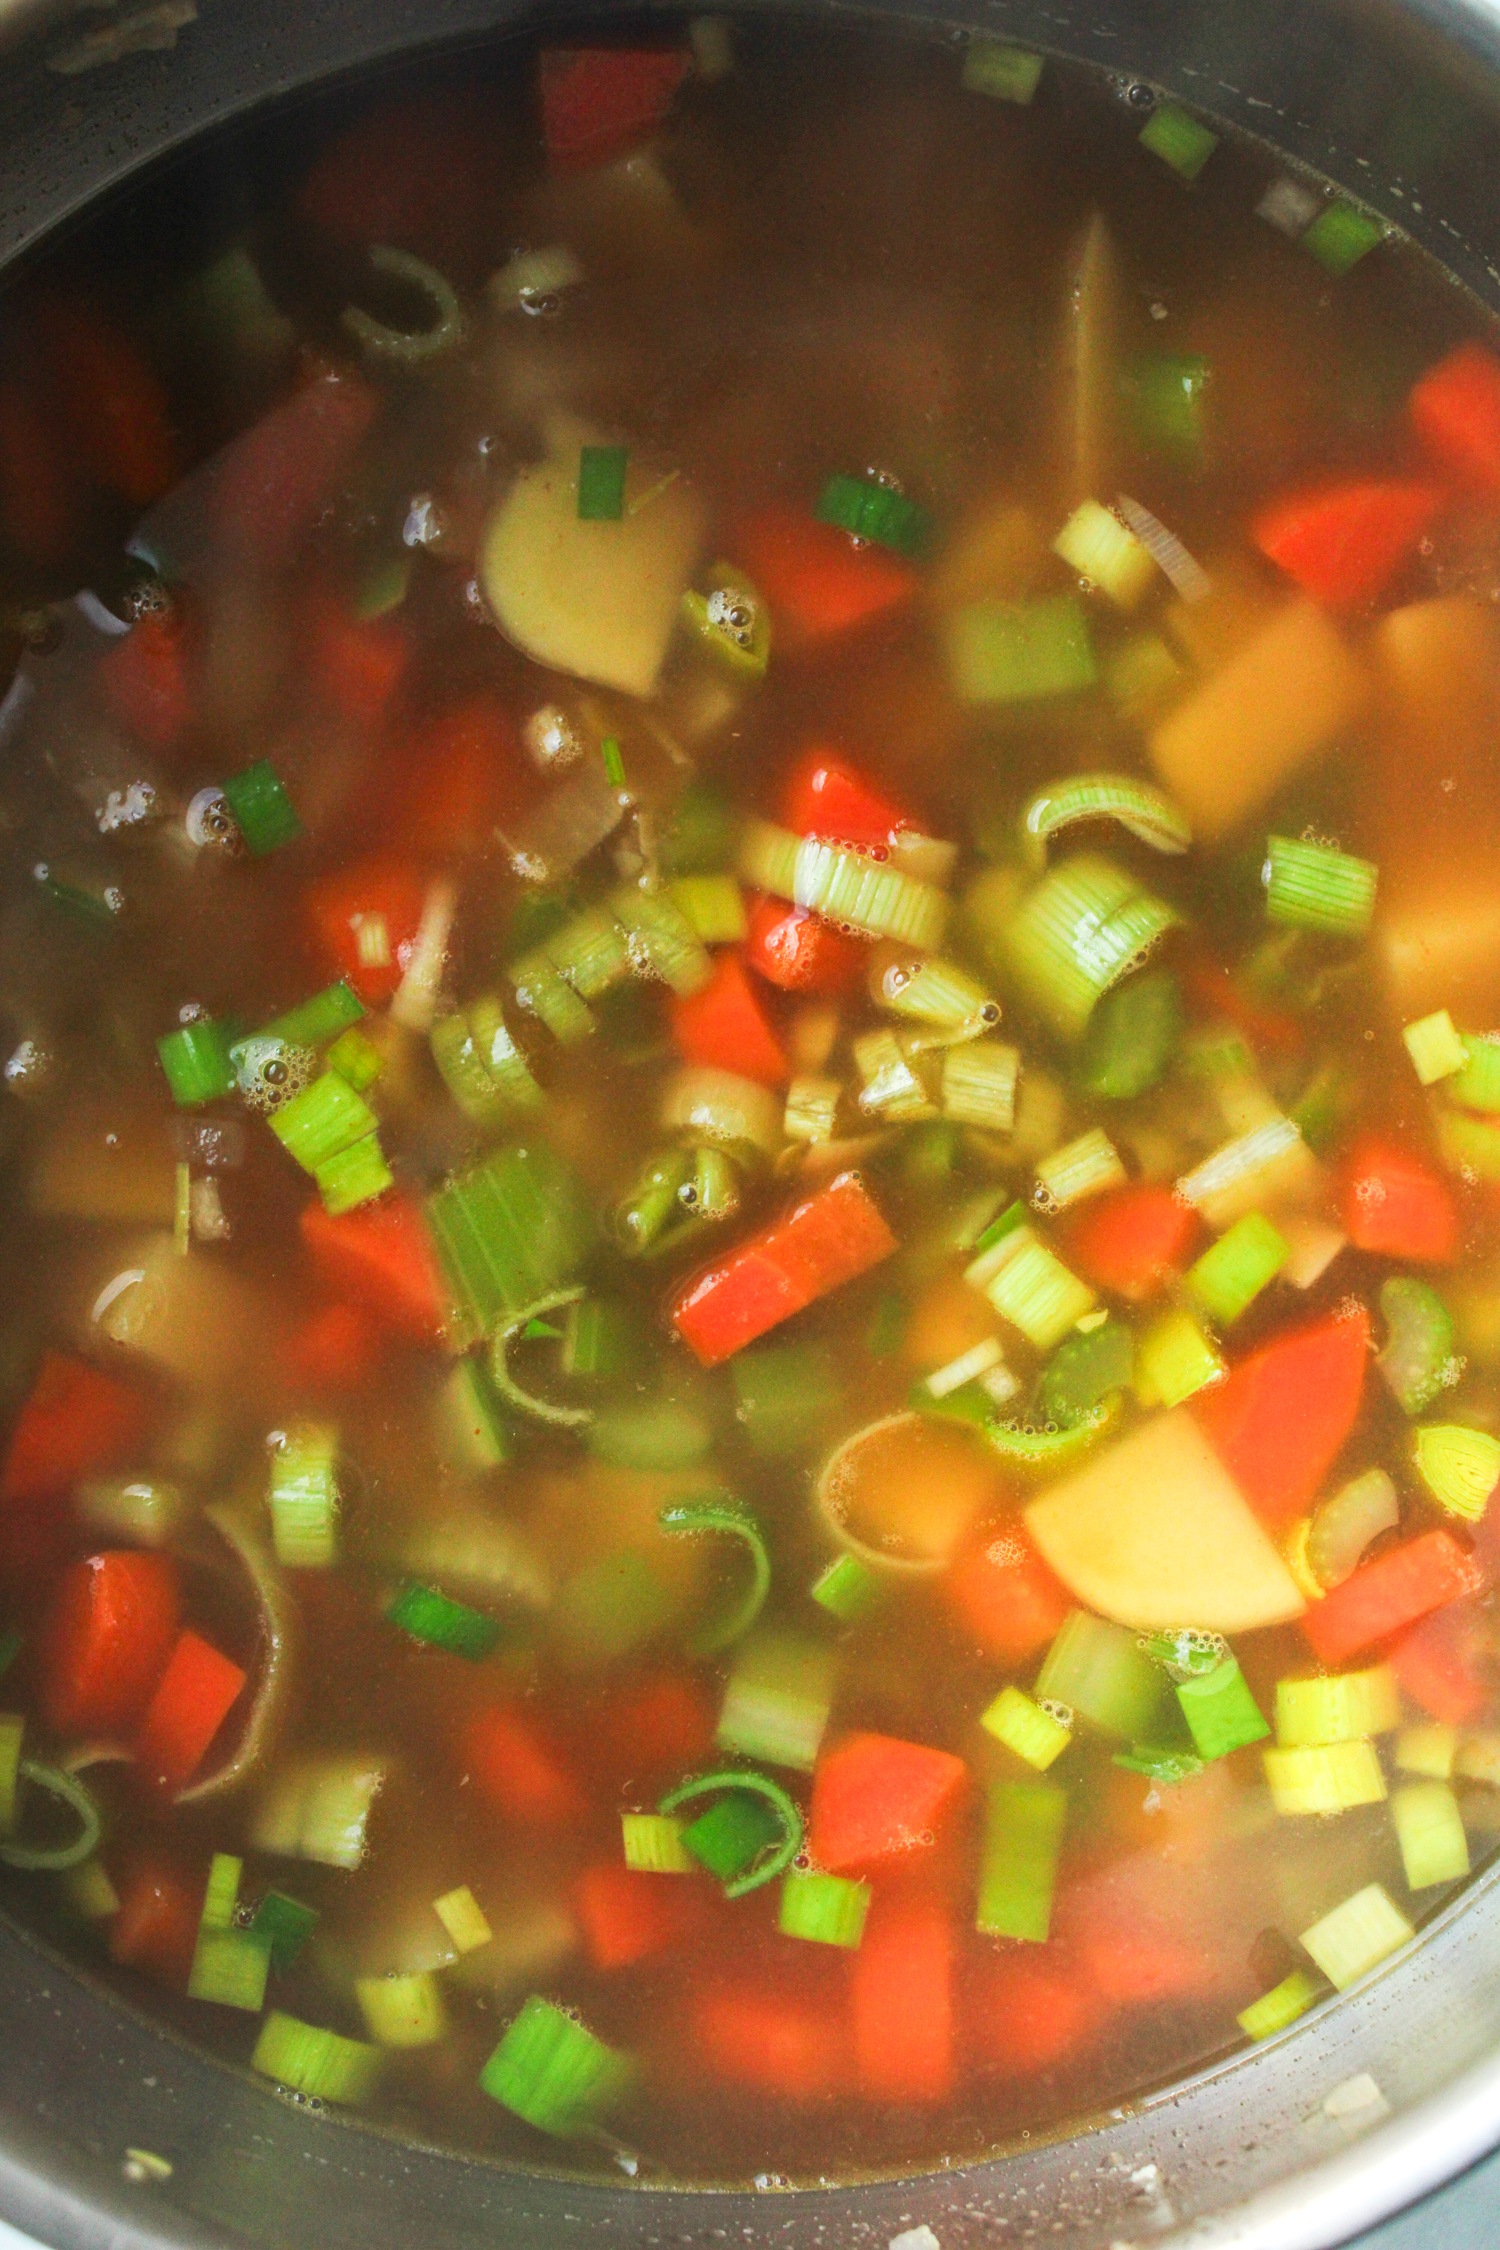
(732, 621)
(723, 1513)
(1147, 813)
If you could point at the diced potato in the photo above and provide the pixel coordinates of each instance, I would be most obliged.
(193, 1317)
(1155, 1530)
(598, 600)
(1224, 750)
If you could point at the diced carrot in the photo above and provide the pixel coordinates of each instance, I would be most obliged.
(816, 1247)
(464, 772)
(661, 1724)
(798, 951)
(75, 1423)
(723, 1024)
(1030, 2011)
(770, 2044)
(156, 1927)
(334, 1349)
(828, 797)
(381, 1258)
(357, 666)
(1133, 1240)
(1279, 1421)
(901, 2002)
(1396, 1205)
(378, 904)
(1398, 1587)
(144, 679)
(624, 1916)
(1441, 1664)
(1134, 1964)
(818, 582)
(106, 1641)
(597, 101)
(1006, 1596)
(40, 498)
(1344, 543)
(193, 1698)
(1455, 411)
(276, 478)
(422, 174)
(111, 402)
(515, 1769)
(875, 1797)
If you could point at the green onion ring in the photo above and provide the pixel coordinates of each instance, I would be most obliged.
(1146, 812)
(540, 1409)
(408, 345)
(722, 1512)
(778, 1857)
(55, 1858)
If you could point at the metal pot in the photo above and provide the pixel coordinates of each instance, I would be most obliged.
(1371, 2100)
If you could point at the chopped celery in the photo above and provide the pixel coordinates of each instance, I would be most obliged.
(661, 942)
(1174, 1360)
(481, 1065)
(1166, 1762)
(653, 1845)
(892, 1087)
(1270, 1164)
(1179, 139)
(1132, 1035)
(1356, 1936)
(812, 1106)
(1099, 1671)
(1233, 1271)
(785, 1395)
(1341, 1707)
(318, 1808)
(1312, 886)
(731, 621)
(1019, 652)
(826, 1909)
(598, 1343)
(868, 894)
(230, 1966)
(1082, 1167)
(1460, 1467)
(1417, 1361)
(1282, 2005)
(1428, 1749)
(1330, 1777)
(322, 2065)
(1036, 1734)
(304, 1496)
(355, 1175)
(1106, 554)
(321, 1121)
(402, 2011)
(978, 1084)
(1083, 1372)
(1345, 1524)
(1082, 928)
(1341, 235)
(356, 1058)
(1007, 74)
(463, 1918)
(1221, 1712)
(868, 509)
(732, 1838)
(551, 2071)
(1435, 1048)
(1430, 1831)
(1470, 1145)
(509, 1231)
(932, 991)
(969, 1368)
(777, 1700)
(1023, 1834)
(847, 1589)
(1030, 1287)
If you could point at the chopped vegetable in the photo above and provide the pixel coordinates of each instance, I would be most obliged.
(819, 1245)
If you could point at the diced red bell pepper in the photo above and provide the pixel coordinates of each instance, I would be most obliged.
(818, 583)
(357, 665)
(381, 1258)
(1441, 1664)
(1345, 542)
(829, 798)
(75, 1423)
(1455, 411)
(110, 400)
(156, 1927)
(276, 478)
(724, 1025)
(518, 1771)
(816, 1247)
(144, 679)
(193, 1698)
(1006, 1597)
(381, 894)
(1279, 1421)
(770, 2043)
(106, 1640)
(1398, 1587)
(901, 2001)
(1030, 2011)
(334, 1349)
(1133, 1240)
(798, 951)
(875, 1797)
(624, 1916)
(1397, 1206)
(597, 101)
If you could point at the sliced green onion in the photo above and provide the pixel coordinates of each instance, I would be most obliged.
(1282, 2005)
(1312, 886)
(866, 894)
(264, 813)
(318, 1020)
(1107, 555)
(1132, 1035)
(812, 1107)
(408, 346)
(1179, 139)
(1460, 1467)
(284, 1925)
(1019, 652)
(892, 1087)
(1082, 1167)
(601, 483)
(1221, 1712)
(867, 509)
(1036, 1734)
(1417, 1361)
(425, 1615)
(1470, 1145)
(713, 906)
(322, 1121)
(1331, 1777)
(1007, 74)
(719, 1105)
(196, 1060)
(656, 1434)
(53, 1858)
(732, 622)
(1233, 1271)
(1356, 1936)
(321, 2065)
(1023, 1834)
(1082, 928)
(356, 1059)
(481, 1065)
(654, 1846)
(597, 1342)
(532, 276)
(1435, 1048)
(1342, 1707)
(773, 1854)
(721, 1513)
(1477, 1084)
(402, 2011)
(1100, 1673)
(356, 1175)
(1029, 1286)
(613, 761)
(1174, 1360)
(509, 1231)
(304, 1496)
(222, 1893)
(1187, 1651)
(847, 1589)
(1341, 235)
(930, 991)
(1166, 396)
(777, 1700)
(825, 1909)
(1085, 1370)
(1430, 1831)
(462, 1917)
(551, 2071)
(543, 993)
(969, 1366)
(727, 1839)
(1147, 813)
(1037, 1454)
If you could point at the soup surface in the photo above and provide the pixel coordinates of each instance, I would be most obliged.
(748, 932)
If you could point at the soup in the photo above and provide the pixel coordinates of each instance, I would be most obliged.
(748, 940)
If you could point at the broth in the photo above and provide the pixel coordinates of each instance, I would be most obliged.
(750, 1223)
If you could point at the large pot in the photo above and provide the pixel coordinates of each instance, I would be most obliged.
(1370, 2101)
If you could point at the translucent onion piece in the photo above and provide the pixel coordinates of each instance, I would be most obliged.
(268, 1708)
(404, 345)
(721, 1512)
(53, 1858)
(1188, 578)
(526, 1402)
(1146, 812)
